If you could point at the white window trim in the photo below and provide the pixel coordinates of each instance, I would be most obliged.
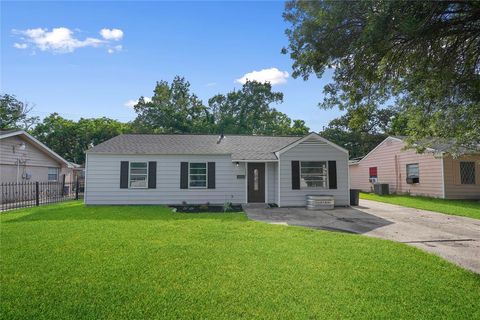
(206, 175)
(129, 174)
(314, 188)
(57, 174)
(412, 164)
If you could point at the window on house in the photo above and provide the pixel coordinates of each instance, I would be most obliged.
(313, 174)
(138, 175)
(467, 172)
(413, 174)
(197, 175)
(52, 174)
(372, 172)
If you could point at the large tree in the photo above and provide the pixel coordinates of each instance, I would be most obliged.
(249, 111)
(175, 109)
(14, 114)
(421, 56)
(360, 132)
(172, 109)
(70, 139)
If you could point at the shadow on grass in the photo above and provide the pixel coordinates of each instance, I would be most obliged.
(78, 211)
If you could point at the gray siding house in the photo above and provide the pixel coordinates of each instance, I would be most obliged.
(196, 169)
(23, 158)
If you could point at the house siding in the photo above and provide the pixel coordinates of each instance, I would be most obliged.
(391, 162)
(453, 187)
(103, 181)
(311, 150)
(272, 182)
(37, 161)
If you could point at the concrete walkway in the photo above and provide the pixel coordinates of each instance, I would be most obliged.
(454, 238)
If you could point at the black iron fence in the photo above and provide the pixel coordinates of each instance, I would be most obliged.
(30, 194)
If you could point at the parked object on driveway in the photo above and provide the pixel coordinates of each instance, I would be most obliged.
(238, 169)
(320, 202)
(434, 173)
(354, 197)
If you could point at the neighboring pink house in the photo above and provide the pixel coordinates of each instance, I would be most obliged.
(434, 173)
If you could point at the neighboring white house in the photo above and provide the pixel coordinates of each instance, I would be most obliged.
(199, 169)
(23, 158)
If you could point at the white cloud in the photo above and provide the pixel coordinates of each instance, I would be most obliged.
(115, 49)
(111, 34)
(272, 75)
(132, 103)
(63, 40)
(20, 45)
(211, 84)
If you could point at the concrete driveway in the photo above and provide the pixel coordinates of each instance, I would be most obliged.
(456, 239)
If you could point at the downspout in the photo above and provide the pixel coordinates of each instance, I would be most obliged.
(443, 175)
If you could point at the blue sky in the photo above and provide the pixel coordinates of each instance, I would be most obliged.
(78, 71)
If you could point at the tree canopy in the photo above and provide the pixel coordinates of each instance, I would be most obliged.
(14, 114)
(249, 111)
(71, 139)
(421, 56)
(360, 132)
(174, 108)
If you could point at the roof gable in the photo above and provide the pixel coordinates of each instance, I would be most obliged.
(36, 143)
(312, 139)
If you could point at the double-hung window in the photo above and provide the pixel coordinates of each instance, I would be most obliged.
(467, 172)
(313, 174)
(138, 175)
(413, 173)
(52, 174)
(197, 175)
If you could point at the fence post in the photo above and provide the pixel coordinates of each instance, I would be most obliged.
(63, 185)
(37, 194)
(77, 185)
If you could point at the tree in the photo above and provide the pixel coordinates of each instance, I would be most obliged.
(423, 56)
(173, 109)
(248, 111)
(14, 113)
(360, 132)
(70, 139)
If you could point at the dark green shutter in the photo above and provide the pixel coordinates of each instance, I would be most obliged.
(152, 175)
(184, 175)
(211, 175)
(332, 174)
(124, 175)
(295, 175)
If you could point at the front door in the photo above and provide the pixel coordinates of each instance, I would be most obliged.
(256, 182)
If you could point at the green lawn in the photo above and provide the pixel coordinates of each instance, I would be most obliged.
(77, 262)
(466, 208)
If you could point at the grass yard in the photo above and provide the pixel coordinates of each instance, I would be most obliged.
(466, 208)
(74, 262)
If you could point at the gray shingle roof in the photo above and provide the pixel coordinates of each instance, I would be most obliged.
(241, 147)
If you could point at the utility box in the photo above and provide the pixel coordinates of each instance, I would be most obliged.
(381, 189)
(320, 202)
